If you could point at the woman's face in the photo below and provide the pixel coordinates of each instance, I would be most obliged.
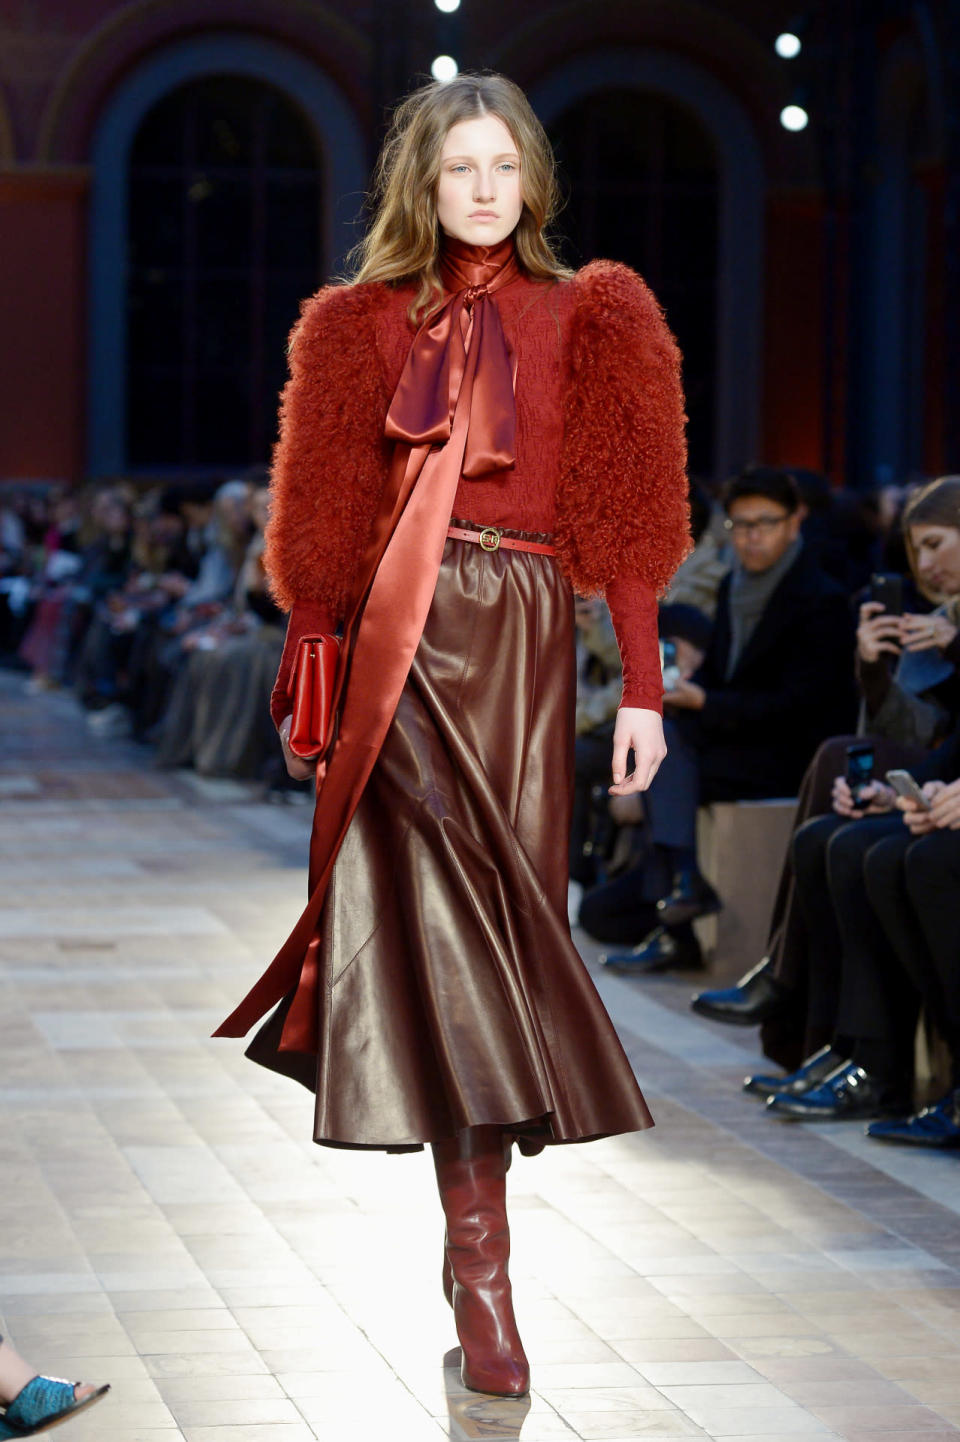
(937, 549)
(478, 195)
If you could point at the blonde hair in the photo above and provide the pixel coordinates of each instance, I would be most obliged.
(936, 504)
(403, 239)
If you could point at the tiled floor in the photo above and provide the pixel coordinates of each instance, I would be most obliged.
(166, 1224)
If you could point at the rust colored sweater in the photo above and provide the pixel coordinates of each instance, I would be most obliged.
(576, 436)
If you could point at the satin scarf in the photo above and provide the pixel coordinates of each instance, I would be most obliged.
(452, 414)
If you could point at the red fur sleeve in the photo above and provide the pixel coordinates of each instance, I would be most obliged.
(330, 462)
(622, 496)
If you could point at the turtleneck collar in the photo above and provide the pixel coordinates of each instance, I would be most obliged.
(464, 266)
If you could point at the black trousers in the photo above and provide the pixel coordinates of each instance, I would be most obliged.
(870, 999)
(794, 1033)
(914, 887)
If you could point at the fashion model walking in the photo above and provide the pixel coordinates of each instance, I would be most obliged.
(470, 432)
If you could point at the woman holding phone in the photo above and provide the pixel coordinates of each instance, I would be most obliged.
(470, 432)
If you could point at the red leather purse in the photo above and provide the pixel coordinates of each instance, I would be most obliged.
(312, 682)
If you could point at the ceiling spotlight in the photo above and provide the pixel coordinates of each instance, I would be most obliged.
(447, 6)
(444, 68)
(787, 45)
(794, 117)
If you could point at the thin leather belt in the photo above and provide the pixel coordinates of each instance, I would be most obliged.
(493, 539)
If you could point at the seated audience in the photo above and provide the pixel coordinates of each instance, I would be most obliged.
(906, 708)
(218, 717)
(775, 681)
(87, 558)
(882, 895)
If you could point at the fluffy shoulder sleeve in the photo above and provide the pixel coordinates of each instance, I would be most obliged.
(622, 496)
(330, 461)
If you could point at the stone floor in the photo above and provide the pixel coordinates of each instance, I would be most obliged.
(166, 1224)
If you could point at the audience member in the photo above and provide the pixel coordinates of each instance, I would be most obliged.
(776, 680)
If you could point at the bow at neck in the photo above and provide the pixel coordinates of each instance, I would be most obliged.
(460, 356)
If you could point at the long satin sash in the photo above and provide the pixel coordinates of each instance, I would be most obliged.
(398, 579)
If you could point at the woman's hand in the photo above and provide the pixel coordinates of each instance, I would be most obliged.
(878, 632)
(945, 808)
(920, 821)
(641, 732)
(875, 799)
(918, 633)
(297, 767)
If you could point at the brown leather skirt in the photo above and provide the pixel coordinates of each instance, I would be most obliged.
(451, 993)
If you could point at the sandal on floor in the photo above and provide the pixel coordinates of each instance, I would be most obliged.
(43, 1403)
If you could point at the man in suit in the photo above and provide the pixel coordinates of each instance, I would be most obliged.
(777, 680)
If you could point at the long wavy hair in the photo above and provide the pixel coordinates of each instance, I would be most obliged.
(402, 242)
(936, 504)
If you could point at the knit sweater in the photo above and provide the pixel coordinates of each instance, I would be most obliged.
(600, 457)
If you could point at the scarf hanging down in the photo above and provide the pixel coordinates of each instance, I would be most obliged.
(750, 594)
(452, 414)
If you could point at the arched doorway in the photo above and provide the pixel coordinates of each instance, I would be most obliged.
(225, 196)
(644, 188)
(334, 130)
(738, 315)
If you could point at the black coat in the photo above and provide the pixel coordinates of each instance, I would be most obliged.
(792, 687)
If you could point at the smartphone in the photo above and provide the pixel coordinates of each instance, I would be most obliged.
(888, 590)
(860, 762)
(668, 665)
(904, 785)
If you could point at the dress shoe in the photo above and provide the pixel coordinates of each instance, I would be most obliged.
(934, 1126)
(847, 1094)
(691, 896)
(814, 1070)
(755, 998)
(663, 948)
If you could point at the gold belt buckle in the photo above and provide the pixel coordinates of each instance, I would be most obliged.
(490, 539)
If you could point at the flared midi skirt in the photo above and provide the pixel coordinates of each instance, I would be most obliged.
(451, 994)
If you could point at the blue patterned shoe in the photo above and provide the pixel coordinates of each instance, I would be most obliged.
(811, 1073)
(847, 1094)
(43, 1403)
(935, 1126)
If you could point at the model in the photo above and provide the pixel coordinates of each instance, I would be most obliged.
(470, 432)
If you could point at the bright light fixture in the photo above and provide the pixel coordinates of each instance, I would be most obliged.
(794, 117)
(447, 6)
(787, 45)
(444, 67)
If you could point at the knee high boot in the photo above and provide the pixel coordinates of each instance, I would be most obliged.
(471, 1176)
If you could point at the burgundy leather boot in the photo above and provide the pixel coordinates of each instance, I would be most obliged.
(447, 1274)
(471, 1176)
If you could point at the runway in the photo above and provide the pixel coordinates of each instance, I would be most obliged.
(167, 1225)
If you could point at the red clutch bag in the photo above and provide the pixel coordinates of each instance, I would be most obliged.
(313, 679)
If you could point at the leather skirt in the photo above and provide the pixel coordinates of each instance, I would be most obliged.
(451, 994)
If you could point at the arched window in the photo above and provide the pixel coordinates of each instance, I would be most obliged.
(644, 189)
(224, 241)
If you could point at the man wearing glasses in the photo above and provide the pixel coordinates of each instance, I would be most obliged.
(777, 680)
